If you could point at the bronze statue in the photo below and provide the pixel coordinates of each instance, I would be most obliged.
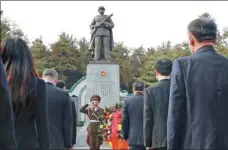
(101, 42)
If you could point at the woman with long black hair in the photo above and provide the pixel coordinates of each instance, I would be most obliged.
(7, 133)
(28, 94)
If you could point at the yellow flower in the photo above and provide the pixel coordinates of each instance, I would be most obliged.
(110, 144)
(101, 126)
(119, 127)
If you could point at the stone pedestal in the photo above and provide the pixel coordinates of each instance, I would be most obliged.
(103, 79)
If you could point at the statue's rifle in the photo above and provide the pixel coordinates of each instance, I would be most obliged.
(95, 29)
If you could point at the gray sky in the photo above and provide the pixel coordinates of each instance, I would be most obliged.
(146, 23)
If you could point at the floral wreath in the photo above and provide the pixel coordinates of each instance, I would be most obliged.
(110, 127)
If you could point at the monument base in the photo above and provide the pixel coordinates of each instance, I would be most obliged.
(103, 79)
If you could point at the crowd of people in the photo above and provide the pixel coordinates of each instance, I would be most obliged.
(35, 112)
(186, 109)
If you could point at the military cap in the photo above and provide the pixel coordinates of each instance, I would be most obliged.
(97, 97)
(101, 7)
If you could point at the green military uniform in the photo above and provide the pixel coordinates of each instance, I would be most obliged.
(94, 140)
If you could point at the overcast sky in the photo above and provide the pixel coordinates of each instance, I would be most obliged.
(146, 23)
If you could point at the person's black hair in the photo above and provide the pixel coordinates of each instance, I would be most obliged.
(60, 84)
(164, 66)
(203, 29)
(138, 86)
(20, 71)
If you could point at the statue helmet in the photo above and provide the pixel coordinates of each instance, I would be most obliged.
(101, 7)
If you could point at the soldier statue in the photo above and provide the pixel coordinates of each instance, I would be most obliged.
(101, 42)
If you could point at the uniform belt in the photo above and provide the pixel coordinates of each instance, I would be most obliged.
(94, 121)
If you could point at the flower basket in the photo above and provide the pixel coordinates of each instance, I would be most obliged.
(111, 127)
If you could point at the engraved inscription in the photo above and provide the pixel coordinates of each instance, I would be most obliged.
(102, 88)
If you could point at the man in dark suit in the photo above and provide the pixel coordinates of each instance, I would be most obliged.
(156, 107)
(61, 84)
(7, 132)
(75, 99)
(198, 103)
(132, 118)
(60, 112)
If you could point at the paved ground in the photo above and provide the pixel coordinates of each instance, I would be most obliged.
(86, 148)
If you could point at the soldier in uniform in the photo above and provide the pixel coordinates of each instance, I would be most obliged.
(102, 39)
(96, 116)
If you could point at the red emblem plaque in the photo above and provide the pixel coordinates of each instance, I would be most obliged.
(103, 73)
